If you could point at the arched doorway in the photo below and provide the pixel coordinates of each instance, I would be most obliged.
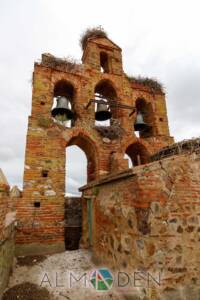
(80, 166)
(137, 153)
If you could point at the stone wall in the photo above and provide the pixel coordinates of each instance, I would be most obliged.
(7, 232)
(7, 250)
(148, 218)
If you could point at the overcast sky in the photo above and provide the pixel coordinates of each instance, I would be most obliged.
(159, 39)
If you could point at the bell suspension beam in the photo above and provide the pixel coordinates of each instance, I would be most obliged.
(112, 103)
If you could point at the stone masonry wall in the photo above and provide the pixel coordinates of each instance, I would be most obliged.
(7, 250)
(7, 235)
(148, 218)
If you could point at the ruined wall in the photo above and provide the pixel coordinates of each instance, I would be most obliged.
(148, 218)
(7, 234)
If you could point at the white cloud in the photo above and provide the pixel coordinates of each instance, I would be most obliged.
(76, 169)
(159, 39)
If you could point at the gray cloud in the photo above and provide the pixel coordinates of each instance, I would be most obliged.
(76, 169)
(159, 39)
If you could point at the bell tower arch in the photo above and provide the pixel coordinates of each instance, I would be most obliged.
(102, 54)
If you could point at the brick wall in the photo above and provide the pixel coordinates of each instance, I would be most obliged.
(148, 218)
(41, 228)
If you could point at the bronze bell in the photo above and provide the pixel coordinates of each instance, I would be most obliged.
(62, 111)
(102, 113)
(140, 125)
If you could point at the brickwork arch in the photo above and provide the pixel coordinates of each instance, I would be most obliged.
(68, 81)
(132, 140)
(138, 153)
(64, 88)
(89, 148)
(145, 108)
(107, 89)
(107, 84)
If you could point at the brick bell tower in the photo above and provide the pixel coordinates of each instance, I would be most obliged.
(100, 77)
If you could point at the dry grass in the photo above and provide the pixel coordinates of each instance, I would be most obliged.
(152, 83)
(182, 147)
(68, 63)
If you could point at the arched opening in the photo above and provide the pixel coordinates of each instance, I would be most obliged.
(87, 146)
(104, 63)
(130, 164)
(76, 171)
(145, 111)
(105, 91)
(62, 109)
(80, 166)
(138, 154)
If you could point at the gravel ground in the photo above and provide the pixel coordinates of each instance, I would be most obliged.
(53, 273)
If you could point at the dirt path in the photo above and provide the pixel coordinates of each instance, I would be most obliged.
(59, 273)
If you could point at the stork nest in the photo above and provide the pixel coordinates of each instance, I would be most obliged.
(183, 147)
(151, 83)
(92, 32)
(112, 132)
